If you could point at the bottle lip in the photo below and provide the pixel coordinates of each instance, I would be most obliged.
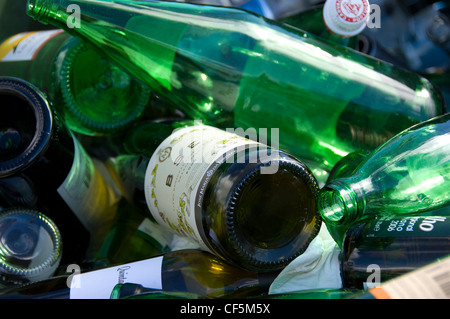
(44, 122)
(37, 9)
(337, 203)
(256, 258)
(41, 263)
(346, 18)
(77, 112)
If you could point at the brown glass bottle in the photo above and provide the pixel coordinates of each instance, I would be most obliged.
(241, 200)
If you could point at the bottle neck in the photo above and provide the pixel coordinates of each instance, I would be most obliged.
(337, 39)
(339, 203)
(40, 9)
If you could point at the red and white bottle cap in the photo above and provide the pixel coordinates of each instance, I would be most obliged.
(346, 18)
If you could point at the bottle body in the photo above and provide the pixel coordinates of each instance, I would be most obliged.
(189, 271)
(74, 75)
(44, 167)
(379, 249)
(409, 173)
(234, 76)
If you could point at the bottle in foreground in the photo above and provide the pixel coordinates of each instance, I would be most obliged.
(30, 247)
(379, 249)
(232, 68)
(189, 271)
(44, 167)
(408, 174)
(92, 93)
(237, 198)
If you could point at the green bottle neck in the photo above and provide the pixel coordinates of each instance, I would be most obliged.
(340, 202)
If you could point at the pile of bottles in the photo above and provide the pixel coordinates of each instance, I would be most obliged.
(160, 149)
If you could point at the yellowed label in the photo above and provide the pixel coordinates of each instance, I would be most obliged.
(185, 159)
(24, 46)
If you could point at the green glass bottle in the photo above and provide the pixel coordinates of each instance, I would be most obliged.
(44, 167)
(232, 68)
(379, 249)
(30, 247)
(91, 92)
(188, 271)
(135, 291)
(230, 195)
(407, 174)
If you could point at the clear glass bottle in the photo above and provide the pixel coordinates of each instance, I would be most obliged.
(93, 95)
(407, 174)
(250, 204)
(232, 68)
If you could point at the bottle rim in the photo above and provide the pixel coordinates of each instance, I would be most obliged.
(44, 123)
(48, 265)
(337, 203)
(72, 106)
(254, 259)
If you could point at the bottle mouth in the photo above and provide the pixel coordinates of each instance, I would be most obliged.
(337, 204)
(37, 9)
(272, 218)
(25, 124)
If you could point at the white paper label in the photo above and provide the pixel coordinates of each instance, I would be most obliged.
(98, 284)
(24, 46)
(176, 169)
(85, 191)
(428, 282)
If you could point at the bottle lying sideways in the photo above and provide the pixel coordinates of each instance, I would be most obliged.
(186, 271)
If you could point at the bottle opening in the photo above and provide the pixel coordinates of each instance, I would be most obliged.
(36, 8)
(331, 206)
(336, 204)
